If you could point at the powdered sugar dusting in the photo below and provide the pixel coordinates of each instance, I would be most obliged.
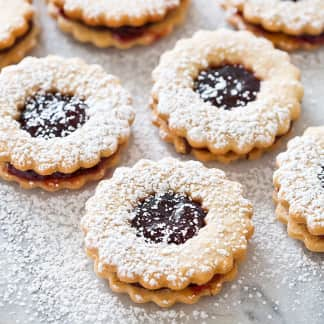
(45, 276)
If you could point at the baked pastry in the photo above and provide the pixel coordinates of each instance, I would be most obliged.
(290, 25)
(299, 188)
(62, 122)
(18, 30)
(122, 24)
(225, 95)
(167, 231)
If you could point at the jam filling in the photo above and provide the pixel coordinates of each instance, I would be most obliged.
(52, 115)
(321, 177)
(227, 86)
(31, 175)
(169, 217)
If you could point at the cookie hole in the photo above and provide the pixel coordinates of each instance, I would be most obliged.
(227, 86)
(168, 217)
(52, 114)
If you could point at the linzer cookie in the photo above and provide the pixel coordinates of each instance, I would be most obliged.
(122, 24)
(18, 30)
(299, 188)
(167, 231)
(62, 122)
(290, 25)
(225, 95)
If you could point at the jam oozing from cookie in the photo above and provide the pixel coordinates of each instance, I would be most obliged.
(227, 86)
(321, 177)
(169, 217)
(52, 115)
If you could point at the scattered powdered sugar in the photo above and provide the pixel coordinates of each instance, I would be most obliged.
(45, 276)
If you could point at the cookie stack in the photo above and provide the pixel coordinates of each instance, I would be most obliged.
(62, 123)
(290, 25)
(18, 30)
(122, 24)
(299, 185)
(167, 231)
(219, 95)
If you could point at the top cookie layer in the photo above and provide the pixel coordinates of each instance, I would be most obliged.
(290, 17)
(116, 13)
(15, 16)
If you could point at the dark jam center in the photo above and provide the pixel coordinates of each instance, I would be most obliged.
(227, 86)
(321, 177)
(52, 115)
(169, 217)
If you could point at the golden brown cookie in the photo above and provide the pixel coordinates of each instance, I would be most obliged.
(225, 95)
(120, 24)
(299, 188)
(160, 229)
(18, 30)
(62, 122)
(290, 25)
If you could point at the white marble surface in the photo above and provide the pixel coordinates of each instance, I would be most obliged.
(45, 276)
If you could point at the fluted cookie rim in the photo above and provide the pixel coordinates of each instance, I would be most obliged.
(280, 40)
(113, 243)
(296, 230)
(292, 18)
(18, 24)
(110, 115)
(165, 297)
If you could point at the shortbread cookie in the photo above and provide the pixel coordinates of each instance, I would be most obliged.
(290, 25)
(225, 95)
(18, 30)
(62, 122)
(122, 24)
(159, 228)
(299, 188)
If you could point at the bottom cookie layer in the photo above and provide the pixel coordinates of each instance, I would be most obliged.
(298, 231)
(58, 181)
(280, 40)
(183, 147)
(124, 37)
(20, 48)
(167, 297)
